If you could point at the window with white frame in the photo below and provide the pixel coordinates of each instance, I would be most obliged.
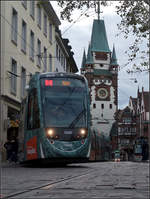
(32, 8)
(14, 27)
(23, 82)
(24, 3)
(50, 62)
(39, 52)
(39, 11)
(45, 24)
(45, 59)
(57, 51)
(64, 64)
(31, 53)
(24, 36)
(13, 83)
(59, 56)
(50, 32)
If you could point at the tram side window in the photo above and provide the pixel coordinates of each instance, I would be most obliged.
(33, 120)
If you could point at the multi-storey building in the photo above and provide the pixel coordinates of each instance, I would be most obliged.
(100, 67)
(30, 42)
(132, 126)
(127, 133)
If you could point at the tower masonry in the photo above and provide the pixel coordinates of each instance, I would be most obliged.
(100, 67)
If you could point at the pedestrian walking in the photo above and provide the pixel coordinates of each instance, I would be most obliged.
(14, 156)
(8, 147)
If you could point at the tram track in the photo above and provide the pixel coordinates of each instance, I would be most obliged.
(46, 186)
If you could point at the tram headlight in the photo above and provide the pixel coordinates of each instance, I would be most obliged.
(83, 133)
(50, 133)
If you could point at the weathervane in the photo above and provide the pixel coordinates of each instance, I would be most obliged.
(98, 10)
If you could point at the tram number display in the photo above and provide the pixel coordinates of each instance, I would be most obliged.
(61, 83)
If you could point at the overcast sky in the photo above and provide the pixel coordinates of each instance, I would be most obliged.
(79, 35)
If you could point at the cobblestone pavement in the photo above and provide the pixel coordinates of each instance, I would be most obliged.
(97, 180)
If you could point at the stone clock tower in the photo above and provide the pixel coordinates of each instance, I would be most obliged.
(100, 67)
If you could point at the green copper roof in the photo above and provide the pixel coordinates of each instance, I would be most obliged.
(83, 60)
(89, 59)
(114, 58)
(99, 41)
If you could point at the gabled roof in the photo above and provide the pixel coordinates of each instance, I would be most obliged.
(99, 41)
(114, 58)
(89, 59)
(83, 60)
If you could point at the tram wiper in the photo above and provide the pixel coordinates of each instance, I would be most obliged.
(77, 118)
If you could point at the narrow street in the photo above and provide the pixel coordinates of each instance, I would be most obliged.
(90, 180)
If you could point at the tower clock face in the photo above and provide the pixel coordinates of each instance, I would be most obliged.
(102, 93)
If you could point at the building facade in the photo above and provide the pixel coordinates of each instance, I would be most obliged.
(30, 43)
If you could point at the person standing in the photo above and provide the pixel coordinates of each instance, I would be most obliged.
(8, 147)
(14, 143)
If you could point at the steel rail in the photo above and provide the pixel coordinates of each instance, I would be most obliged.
(48, 185)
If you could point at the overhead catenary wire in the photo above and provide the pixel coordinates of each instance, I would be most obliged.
(35, 54)
(41, 54)
(69, 27)
(79, 18)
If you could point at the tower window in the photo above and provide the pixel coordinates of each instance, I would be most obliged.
(102, 106)
(101, 56)
(110, 106)
(94, 105)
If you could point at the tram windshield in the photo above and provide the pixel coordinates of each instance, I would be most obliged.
(64, 102)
